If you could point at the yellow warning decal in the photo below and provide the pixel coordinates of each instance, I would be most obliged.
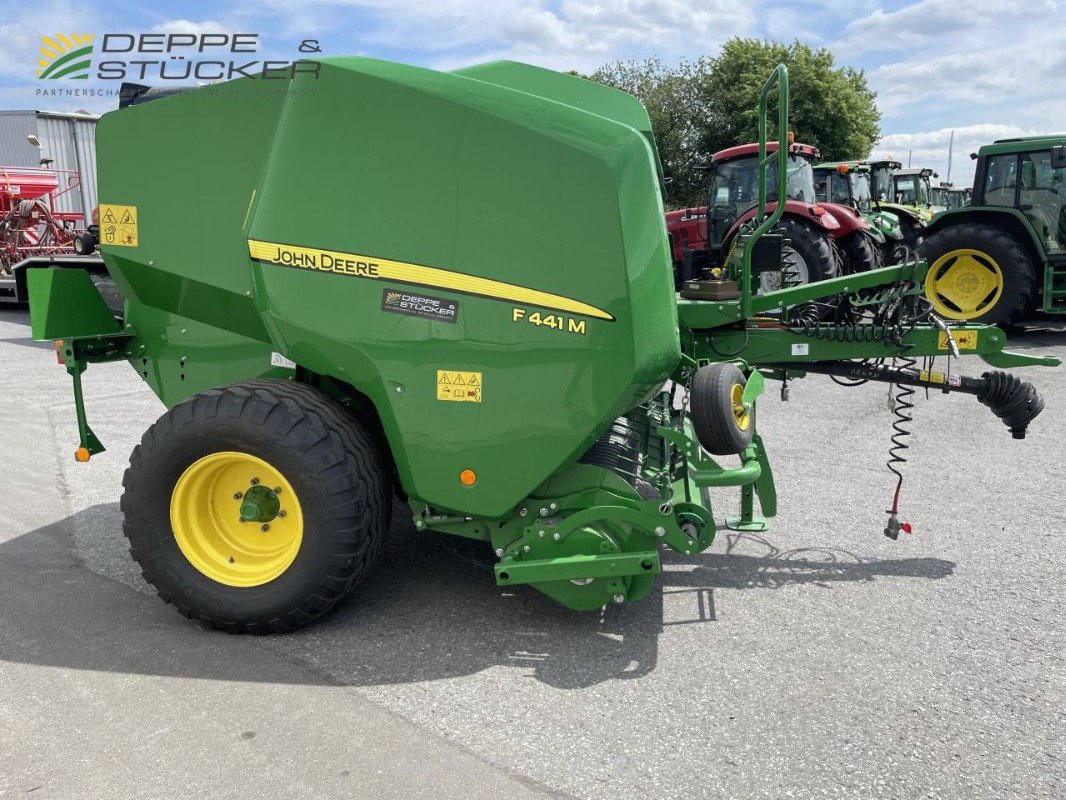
(460, 387)
(118, 225)
(358, 266)
(966, 340)
(932, 377)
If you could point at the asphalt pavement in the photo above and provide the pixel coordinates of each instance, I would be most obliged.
(819, 659)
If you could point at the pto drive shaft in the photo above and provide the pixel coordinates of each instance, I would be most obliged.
(1013, 400)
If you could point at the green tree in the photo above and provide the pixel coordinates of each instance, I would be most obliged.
(831, 107)
(667, 94)
(700, 107)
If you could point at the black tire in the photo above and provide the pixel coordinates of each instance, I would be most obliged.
(1019, 274)
(84, 243)
(813, 246)
(333, 464)
(861, 253)
(717, 428)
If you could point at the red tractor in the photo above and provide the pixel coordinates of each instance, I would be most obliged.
(825, 239)
(30, 227)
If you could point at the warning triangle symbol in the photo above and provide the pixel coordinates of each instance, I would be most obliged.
(459, 380)
(127, 218)
(444, 378)
(473, 381)
(109, 216)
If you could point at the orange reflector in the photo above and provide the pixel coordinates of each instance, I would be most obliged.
(817, 211)
(843, 169)
(59, 355)
(467, 477)
(81, 455)
(791, 137)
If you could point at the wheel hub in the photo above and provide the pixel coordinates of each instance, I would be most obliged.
(963, 284)
(236, 519)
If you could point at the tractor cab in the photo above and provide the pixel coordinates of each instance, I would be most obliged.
(735, 184)
(850, 183)
(949, 196)
(911, 188)
(845, 183)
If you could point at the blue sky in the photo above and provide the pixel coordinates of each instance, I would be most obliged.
(983, 68)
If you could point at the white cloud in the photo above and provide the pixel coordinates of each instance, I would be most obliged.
(190, 27)
(930, 148)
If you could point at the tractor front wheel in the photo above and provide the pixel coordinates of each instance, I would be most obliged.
(816, 258)
(978, 273)
(861, 253)
(256, 507)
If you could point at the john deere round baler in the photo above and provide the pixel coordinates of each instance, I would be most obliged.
(374, 280)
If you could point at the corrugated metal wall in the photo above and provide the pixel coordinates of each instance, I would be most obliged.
(70, 140)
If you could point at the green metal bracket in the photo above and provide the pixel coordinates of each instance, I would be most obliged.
(1006, 359)
(65, 304)
(77, 354)
(577, 567)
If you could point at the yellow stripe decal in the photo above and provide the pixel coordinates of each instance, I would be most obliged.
(358, 266)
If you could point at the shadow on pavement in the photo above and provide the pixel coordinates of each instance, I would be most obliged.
(429, 610)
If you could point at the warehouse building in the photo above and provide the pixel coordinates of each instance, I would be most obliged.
(65, 143)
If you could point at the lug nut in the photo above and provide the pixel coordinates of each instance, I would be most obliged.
(277, 490)
(255, 481)
(281, 513)
(265, 528)
(242, 519)
(238, 495)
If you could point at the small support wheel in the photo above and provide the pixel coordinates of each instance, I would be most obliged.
(84, 243)
(723, 424)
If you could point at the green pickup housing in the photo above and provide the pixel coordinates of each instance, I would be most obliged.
(277, 230)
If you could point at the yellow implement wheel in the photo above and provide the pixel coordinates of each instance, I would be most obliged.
(740, 413)
(236, 519)
(964, 284)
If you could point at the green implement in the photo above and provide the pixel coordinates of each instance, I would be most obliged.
(455, 289)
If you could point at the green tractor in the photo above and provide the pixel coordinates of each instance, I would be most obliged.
(948, 196)
(912, 219)
(850, 183)
(912, 190)
(1003, 256)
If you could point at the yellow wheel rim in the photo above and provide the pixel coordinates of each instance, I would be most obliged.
(208, 504)
(740, 414)
(964, 284)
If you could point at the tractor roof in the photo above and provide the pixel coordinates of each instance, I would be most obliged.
(907, 172)
(752, 149)
(1022, 144)
(891, 163)
(852, 166)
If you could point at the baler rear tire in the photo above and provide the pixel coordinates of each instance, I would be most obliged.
(715, 419)
(334, 466)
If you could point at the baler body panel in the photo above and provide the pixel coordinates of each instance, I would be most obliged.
(521, 210)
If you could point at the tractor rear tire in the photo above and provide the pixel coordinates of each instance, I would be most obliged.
(861, 253)
(813, 246)
(201, 467)
(961, 255)
(722, 426)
